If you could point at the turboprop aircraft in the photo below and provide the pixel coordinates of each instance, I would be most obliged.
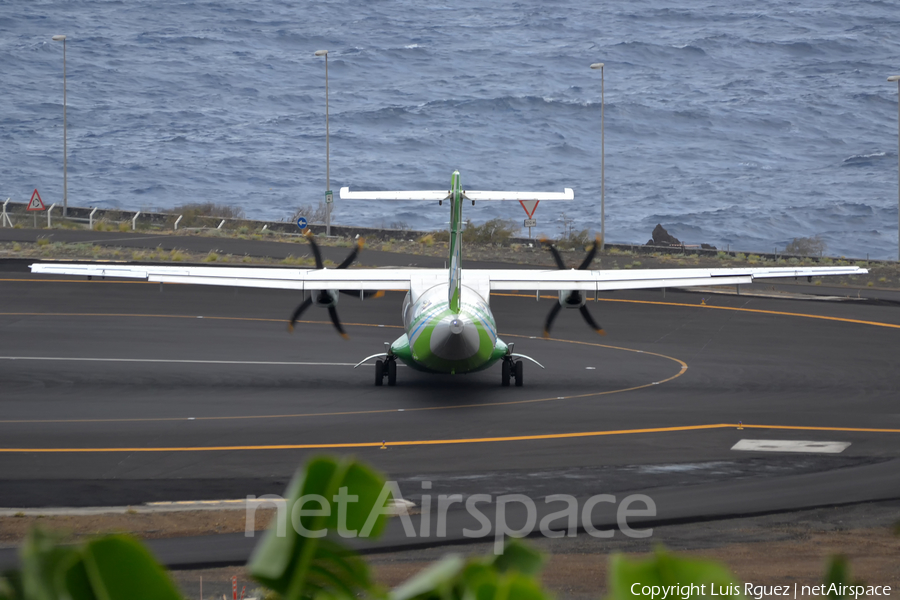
(449, 327)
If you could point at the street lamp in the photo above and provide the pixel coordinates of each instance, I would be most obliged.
(897, 79)
(329, 198)
(602, 165)
(62, 38)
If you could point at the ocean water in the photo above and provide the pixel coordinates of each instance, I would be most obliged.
(731, 122)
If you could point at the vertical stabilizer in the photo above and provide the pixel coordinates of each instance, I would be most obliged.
(456, 227)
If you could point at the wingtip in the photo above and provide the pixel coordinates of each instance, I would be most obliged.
(290, 328)
(379, 294)
(601, 332)
(360, 242)
(546, 334)
(345, 336)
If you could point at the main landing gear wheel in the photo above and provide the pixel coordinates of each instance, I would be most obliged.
(510, 369)
(379, 372)
(392, 372)
(386, 368)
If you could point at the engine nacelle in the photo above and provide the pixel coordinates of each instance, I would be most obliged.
(571, 298)
(326, 298)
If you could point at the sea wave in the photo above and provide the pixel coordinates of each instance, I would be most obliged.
(724, 122)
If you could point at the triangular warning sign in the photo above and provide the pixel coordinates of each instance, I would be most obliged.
(529, 205)
(36, 202)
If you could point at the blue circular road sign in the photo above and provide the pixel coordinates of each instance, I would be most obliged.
(302, 223)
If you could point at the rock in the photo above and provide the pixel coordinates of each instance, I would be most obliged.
(661, 237)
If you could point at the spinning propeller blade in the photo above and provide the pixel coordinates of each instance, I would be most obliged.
(324, 297)
(574, 298)
(303, 306)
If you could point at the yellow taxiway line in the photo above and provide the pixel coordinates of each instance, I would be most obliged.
(518, 438)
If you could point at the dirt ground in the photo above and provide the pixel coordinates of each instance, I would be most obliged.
(143, 525)
(778, 549)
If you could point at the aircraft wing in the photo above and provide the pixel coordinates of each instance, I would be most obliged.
(484, 280)
(277, 278)
(632, 279)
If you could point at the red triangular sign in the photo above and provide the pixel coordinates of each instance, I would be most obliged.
(529, 205)
(36, 202)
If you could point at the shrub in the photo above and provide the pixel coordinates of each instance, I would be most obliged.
(427, 240)
(211, 257)
(806, 246)
(193, 213)
(496, 232)
(312, 214)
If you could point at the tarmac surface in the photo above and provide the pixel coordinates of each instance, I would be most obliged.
(119, 393)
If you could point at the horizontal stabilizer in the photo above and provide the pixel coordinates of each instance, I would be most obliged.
(539, 196)
(474, 195)
(346, 194)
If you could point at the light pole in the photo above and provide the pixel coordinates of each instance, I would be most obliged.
(329, 198)
(602, 163)
(897, 79)
(62, 38)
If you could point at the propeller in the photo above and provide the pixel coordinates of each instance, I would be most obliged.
(572, 298)
(328, 298)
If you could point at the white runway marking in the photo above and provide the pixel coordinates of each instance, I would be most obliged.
(177, 361)
(791, 446)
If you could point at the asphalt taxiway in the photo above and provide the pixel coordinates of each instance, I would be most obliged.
(119, 393)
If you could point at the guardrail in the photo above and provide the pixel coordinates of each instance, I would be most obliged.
(93, 215)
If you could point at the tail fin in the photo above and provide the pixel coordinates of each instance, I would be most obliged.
(456, 228)
(456, 195)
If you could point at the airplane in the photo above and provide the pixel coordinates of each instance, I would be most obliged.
(447, 319)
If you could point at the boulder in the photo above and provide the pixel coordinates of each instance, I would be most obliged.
(661, 237)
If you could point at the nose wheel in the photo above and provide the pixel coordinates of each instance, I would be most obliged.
(386, 368)
(510, 369)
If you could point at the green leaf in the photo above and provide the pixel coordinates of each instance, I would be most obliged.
(11, 586)
(429, 582)
(42, 560)
(272, 557)
(838, 574)
(510, 575)
(519, 557)
(76, 582)
(296, 565)
(119, 567)
(664, 569)
(364, 483)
